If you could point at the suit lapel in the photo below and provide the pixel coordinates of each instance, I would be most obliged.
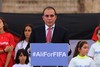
(44, 33)
(54, 34)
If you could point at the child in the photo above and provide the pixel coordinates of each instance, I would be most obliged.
(94, 51)
(22, 59)
(80, 59)
(7, 45)
(24, 40)
(23, 43)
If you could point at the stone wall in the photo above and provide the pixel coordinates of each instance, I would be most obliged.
(62, 6)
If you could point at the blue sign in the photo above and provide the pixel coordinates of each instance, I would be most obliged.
(49, 54)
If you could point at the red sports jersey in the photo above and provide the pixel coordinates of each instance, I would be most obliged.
(6, 39)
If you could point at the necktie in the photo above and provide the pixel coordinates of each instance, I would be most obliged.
(48, 37)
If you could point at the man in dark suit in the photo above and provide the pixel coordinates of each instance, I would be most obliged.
(58, 34)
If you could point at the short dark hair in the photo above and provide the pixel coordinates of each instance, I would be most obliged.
(49, 7)
(25, 53)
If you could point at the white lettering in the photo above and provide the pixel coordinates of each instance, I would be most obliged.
(3, 43)
(47, 54)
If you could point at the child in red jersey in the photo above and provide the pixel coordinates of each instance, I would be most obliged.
(6, 45)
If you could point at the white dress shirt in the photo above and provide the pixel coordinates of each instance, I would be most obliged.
(46, 29)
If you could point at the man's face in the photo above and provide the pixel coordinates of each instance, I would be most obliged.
(49, 17)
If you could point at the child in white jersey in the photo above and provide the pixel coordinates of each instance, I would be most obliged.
(80, 59)
(21, 59)
(94, 51)
(24, 39)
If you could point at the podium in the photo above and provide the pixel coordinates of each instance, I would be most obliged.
(49, 54)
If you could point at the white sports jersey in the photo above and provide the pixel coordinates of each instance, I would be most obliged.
(20, 45)
(95, 53)
(79, 61)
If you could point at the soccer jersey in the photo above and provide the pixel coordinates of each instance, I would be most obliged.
(95, 53)
(21, 45)
(6, 39)
(20, 65)
(79, 61)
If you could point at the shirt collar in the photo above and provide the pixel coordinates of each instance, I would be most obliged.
(98, 42)
(46, 27)
(81, 56)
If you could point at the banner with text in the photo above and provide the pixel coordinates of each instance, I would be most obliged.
(49, 54)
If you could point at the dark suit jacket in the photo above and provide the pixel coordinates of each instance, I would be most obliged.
(60, 35)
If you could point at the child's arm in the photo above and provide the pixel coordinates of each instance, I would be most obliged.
(92, 64)
(71, 63)
(4, 50)
(8, 56)
(1, 51)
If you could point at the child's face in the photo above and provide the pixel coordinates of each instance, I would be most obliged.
(84, 50)
(27, 31)
(1, 24)
(22, 58)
